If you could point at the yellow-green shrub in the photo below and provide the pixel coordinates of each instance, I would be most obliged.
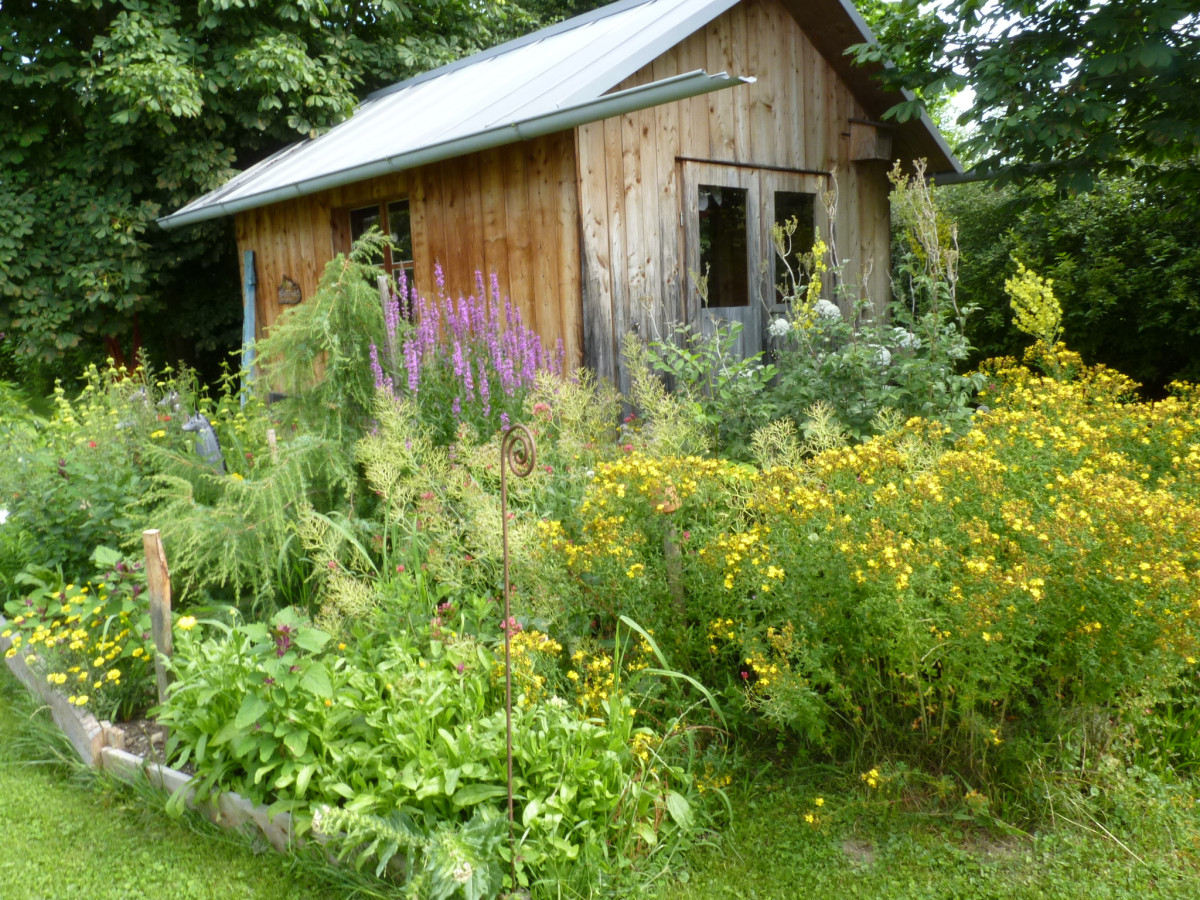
(952, 604)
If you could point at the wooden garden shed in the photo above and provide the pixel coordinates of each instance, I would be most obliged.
(593, 165)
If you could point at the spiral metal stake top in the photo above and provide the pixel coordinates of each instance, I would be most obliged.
(518, 453)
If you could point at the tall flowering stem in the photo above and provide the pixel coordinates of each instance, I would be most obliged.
(518, 453)
(472, 355)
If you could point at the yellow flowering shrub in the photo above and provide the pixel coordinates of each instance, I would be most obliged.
(1036, 311)
(944, 600)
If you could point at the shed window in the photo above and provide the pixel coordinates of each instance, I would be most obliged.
(802, 208)
(392, 218)
(723, 252)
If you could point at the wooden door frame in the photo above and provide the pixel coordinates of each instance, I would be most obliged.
(761, 184)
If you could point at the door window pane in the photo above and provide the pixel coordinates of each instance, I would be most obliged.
(793, 205)
(723, 248)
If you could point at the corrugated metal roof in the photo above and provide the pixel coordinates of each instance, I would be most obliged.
(444, 112)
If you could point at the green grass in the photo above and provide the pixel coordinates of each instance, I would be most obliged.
(861, 847)
(67, 835)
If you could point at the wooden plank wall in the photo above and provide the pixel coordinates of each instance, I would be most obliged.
(795, 116)
(512, 211)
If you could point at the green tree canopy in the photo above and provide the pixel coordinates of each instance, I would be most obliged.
(1125, 259)
(1071, 89)
(112, 113)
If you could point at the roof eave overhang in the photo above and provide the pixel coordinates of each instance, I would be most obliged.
(678, 87)
(834, 25)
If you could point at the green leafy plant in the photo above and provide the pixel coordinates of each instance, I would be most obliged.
(397, 744)
(91, 641)
(861, 362)
(722, 390)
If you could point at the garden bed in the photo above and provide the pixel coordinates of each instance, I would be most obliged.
(103, 745)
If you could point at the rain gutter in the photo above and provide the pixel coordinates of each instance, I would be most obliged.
(677, 87)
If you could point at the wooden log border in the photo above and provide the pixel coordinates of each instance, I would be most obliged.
(101, 746)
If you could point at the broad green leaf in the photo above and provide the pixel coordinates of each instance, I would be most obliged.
(472, 794)
(530, 813)
(680, 810)
(297, 742)
(316, 680)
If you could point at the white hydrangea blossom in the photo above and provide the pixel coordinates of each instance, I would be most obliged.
(779, 328)
(883, 356)
(3, 516)
(906, 340)
(827, 310)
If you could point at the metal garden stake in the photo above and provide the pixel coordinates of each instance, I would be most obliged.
(517, 452)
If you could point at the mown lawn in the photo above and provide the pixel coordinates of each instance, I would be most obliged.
(864, 848)
(67, 837)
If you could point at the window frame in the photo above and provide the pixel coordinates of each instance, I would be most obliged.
(343, 233)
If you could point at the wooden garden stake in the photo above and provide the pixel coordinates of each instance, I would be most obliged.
(385, 297)
(273, 446)
(672, 556)
(158, 579)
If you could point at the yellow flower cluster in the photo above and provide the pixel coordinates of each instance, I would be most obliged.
(595, 677)
(533, 656)
(76, 641)
(1036, 311)
(710, 780)
(644, 744)
(734, 551)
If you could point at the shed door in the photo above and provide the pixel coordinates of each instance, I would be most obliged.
(728, 254)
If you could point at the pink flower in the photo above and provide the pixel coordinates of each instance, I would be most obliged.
(399, 568)
(628, 448)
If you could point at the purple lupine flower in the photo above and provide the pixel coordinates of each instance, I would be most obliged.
(485, 390)
(412, 362)
(376, 369)
(504, 420)
(439, 278)
(467, 381)
(401, 294)
(458, 359)
(456, 408)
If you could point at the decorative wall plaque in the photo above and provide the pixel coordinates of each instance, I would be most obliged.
(289, 292)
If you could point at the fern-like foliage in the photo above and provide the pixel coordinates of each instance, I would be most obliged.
(584, 410)
(319, 352)
(777, 445)
(430, 498)
(823, 429)
(235, 532)
(455, 860)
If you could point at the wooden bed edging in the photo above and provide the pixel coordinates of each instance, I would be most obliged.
(101, 746)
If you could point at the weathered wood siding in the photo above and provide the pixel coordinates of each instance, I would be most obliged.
(512, 211)
(796, 116)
